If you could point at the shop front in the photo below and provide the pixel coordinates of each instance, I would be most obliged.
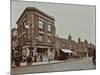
(65, 54)
(38, 54)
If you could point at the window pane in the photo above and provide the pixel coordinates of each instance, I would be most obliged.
(40, 24)
(41, 38)
(49, 39)
(49, 28)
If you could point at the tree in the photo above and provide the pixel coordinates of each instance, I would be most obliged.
(86, 42)
(69, 37)
(79, 40)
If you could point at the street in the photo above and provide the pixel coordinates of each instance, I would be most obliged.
(79, 64)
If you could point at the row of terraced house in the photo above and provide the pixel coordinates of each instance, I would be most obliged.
(35, 35)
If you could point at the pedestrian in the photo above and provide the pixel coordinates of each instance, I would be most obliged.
(17, 61)
(35, 58)
(41, 59)
(94, 57)
(49, 59)
(29, 60)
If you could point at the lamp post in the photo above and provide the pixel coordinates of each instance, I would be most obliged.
(30, 33)
(29, 28)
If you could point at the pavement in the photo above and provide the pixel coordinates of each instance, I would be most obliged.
(44, 63)
(67, 65)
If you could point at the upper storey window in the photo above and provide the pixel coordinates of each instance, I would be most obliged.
(41, 24)
(49, 39)
(41, 38)
(49, 28)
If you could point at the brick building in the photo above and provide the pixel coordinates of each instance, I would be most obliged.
(79, 49)
(91, 49)
(35, 37)
(14, 44)
(36, 34)
(65, 47)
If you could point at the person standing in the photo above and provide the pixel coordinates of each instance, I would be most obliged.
(94, 57)
(29, 60)
(35, 58)
(41, 58)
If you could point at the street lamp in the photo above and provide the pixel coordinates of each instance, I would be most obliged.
(29, 31)
(13, 48)
(26, 26)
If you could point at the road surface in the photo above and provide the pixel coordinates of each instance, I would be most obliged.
(80, 64)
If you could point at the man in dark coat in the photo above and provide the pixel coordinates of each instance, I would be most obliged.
(29, 60)
(94, 57)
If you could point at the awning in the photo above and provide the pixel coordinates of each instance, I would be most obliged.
(66, 50)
